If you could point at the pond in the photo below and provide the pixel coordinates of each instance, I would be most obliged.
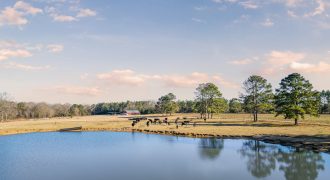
(127, 156)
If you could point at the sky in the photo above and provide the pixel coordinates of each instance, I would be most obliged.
(89, 51)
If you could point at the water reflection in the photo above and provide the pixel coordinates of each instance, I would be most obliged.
(263, 159)
(300, 165)
(210, 148)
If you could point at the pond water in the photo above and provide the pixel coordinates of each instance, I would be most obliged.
(135, 156)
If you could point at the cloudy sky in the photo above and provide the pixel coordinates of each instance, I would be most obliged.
(88, 51)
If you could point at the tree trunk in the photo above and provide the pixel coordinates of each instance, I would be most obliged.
(256, 116)
(296, 122)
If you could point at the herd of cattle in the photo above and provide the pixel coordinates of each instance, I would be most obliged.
(165, 121)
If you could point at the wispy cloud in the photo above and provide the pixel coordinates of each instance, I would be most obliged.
(8, 53)
(130, 78)
(86, 13)
(249, 4)
(27, 8)
(63, 18)
(123, 77)
(14, 65)
(55, 48)
(77, 90)
(310, 68)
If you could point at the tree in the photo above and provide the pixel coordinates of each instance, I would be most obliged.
(42, 110)
(325, 102)
(219, 105)
(295, 97)
(7, 107)
(205, 95)
(258, 95)
(22, 110)
(166, 104)
(235, 106)
(186, 106)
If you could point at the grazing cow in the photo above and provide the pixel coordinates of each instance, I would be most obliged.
(148, 123)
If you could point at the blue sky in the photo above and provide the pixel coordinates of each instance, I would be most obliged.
(83, 51)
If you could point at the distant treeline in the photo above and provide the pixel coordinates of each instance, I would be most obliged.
(293, 99)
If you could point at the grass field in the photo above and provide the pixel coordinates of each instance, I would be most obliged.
(223, 124)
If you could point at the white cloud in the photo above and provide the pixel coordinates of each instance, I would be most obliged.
(241, 62)
(284, 57)
(77, 90)
(320, 9)
(63, 18)
(10, 16)
(190, 80)
(27, 8)
(86, 13)
(288, 62)
(8, 53)
(268, 23)
(310, 68)
(14, 65)
(123, 77)
(16, 15)
(9, 44)
(55, 48)
(130, 78)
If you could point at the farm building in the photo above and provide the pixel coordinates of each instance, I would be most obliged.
(131, 112)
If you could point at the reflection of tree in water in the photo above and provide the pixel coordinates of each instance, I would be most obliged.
(300, 165)
(261, 158)
(211, 148)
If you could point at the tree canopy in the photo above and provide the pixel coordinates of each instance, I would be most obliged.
(166, 104)
(206, 95)
(258, 95)
(295, 97)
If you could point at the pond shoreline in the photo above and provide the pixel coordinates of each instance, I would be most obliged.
(313, 143)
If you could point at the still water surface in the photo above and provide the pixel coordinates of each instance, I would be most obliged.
(135, 156)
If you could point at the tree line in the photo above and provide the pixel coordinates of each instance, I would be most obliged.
(294, 98)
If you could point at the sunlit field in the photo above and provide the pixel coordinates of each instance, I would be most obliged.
(222, 124)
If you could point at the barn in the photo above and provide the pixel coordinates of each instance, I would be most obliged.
(131, 112)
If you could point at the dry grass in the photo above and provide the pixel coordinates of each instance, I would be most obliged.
(224, 124)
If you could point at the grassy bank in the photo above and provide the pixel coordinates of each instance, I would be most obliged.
(225, 124)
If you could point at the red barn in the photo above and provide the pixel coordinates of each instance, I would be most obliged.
(131, 112)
